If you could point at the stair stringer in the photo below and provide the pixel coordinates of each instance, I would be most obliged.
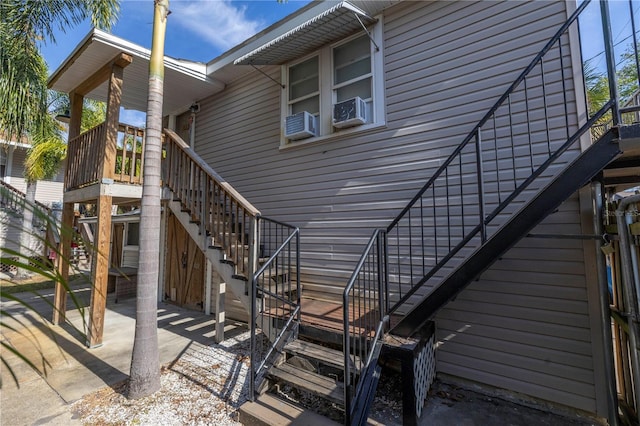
(573, 176)
(214, 255)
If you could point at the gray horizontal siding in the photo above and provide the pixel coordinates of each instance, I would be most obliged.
(524, 326)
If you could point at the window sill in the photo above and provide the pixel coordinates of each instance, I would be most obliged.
(286, 144)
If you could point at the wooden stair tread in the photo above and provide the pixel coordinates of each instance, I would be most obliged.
(326, 355)
(311, 382)
(270, 410)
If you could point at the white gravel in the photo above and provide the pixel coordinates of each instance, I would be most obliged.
(205, 386)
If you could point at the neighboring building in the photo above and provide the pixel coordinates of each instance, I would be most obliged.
(12, 158)
(408, 91)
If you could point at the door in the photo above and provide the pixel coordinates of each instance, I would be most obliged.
(185, 266)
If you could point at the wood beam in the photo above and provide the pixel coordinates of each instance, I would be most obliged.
(112, 121)
(62, 263)
(76, 114)
(100, 272)
(121, 60)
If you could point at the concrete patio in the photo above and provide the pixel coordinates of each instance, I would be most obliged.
(73, 370)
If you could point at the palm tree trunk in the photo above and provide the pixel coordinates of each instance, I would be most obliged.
(26, 240)
(145, 364)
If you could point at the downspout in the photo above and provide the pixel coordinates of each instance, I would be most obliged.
(605, 310)
(629, 287)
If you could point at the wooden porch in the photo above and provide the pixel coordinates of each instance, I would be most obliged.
(104, 167)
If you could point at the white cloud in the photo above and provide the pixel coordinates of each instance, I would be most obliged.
(219, 22)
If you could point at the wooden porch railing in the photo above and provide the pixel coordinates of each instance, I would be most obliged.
(86, 152)
(220, 211)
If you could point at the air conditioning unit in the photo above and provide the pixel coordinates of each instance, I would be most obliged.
(300, 126)
(349, 113)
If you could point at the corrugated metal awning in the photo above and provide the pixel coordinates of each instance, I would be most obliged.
(338, 22)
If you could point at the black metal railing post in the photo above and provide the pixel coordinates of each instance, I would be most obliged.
(380, 266)
(611, 61)
(480, 173)
(635, 42)
(298, 290)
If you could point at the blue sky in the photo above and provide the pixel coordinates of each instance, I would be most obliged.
(196, 30)
(202, 30)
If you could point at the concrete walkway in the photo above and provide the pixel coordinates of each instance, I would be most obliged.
(73, 370)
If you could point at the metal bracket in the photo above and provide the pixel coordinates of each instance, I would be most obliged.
(268, 76)
(367, 31)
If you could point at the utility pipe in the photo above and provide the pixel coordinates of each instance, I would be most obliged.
(192, 126)
(628, 288)
(604, 308)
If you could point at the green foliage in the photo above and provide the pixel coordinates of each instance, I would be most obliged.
(23, 72)
(23, 76)
(628, 75)
(597, 88)
(93, 113)
(597, 85)
(44, 158)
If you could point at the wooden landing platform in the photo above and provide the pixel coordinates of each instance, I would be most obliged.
(323, 320)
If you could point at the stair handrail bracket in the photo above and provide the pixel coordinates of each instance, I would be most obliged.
(275, 297)
(365, 307)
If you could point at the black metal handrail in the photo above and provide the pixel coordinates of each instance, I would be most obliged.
(365, 304)
(276, 285)
(490, 171)
(494, 154)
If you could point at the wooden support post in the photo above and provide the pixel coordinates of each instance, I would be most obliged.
(66, 232)
(207, 287)
(103, 235)
(76, 114)
(111, 124)
(62, 259)
(100, 273)
(220, 314)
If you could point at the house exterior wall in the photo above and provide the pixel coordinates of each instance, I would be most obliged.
(525, 325)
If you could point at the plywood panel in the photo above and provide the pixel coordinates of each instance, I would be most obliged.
(185, 267)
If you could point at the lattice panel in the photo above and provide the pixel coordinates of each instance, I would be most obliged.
(424, 371)
(9, 269)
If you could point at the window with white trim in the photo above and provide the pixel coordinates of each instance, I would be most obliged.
(334, 91)
(352, 70)
(304, 87)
